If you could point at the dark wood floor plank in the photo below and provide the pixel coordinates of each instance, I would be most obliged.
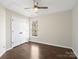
(34, 50)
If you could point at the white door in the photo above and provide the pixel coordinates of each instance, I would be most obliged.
(20, 30)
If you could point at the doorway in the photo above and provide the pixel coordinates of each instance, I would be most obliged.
(20, 30)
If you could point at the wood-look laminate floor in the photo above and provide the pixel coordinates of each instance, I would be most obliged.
(33, 50)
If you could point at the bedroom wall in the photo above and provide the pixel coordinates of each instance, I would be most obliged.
(8, 30)
(75, 29)
(2, 30)
(54, 29)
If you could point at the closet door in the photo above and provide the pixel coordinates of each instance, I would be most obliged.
(20, 30)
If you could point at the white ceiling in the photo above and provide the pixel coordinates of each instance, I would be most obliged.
(53, 6)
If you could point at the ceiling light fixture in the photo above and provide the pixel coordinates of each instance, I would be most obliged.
(35, 9)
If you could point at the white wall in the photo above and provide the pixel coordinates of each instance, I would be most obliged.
(75, 29)
(2, 30)
(55, 29)
(8, 29)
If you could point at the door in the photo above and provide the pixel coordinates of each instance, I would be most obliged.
(20, 30)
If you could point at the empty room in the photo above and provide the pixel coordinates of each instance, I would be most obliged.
(38, 29)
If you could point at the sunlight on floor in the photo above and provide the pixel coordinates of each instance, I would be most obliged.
(34, 52)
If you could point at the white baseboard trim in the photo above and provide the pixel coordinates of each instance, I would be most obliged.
(2, 53)
(51, 44)
(75, 53)
(5, 51)
(8, 49)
